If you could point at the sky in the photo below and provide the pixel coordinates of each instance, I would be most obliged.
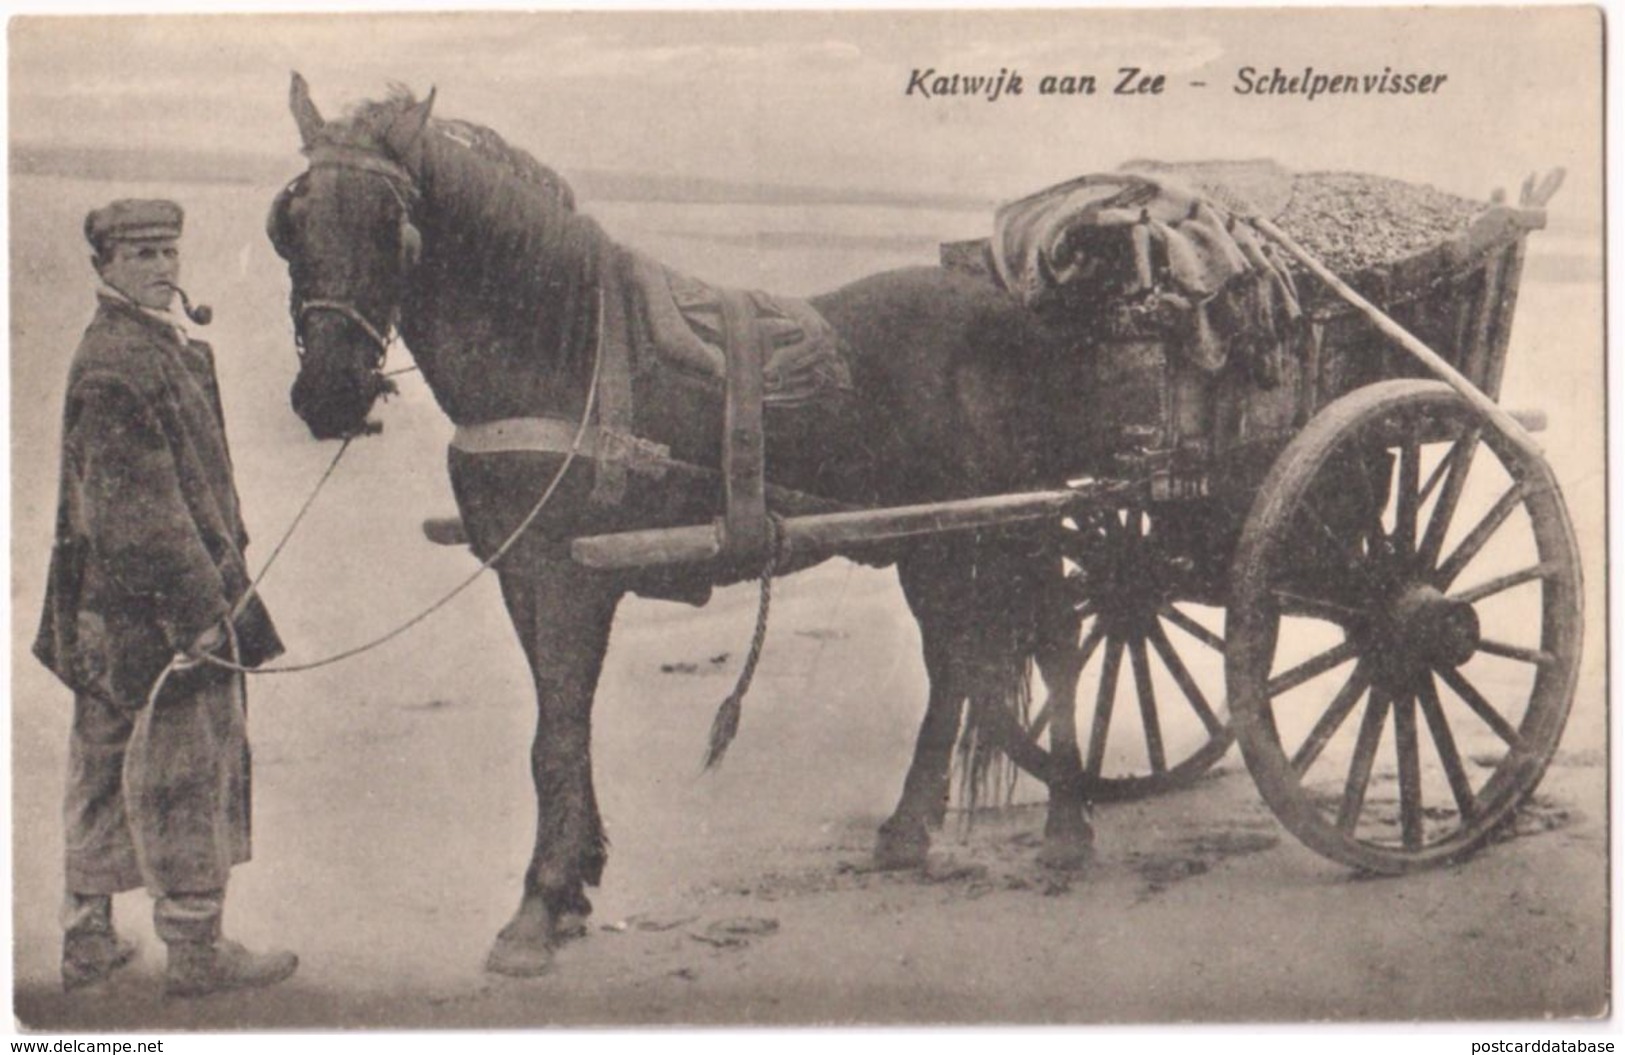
(819, 98)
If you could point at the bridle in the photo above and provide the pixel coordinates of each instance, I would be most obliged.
(382, 338)
(401, 184)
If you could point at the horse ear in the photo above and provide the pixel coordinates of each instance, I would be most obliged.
(406, 129)
(305, 114)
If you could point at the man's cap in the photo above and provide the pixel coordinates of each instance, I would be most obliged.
(133, 219)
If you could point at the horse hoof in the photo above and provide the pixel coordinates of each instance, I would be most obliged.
(896, 852)
(519, 959)
(570, 926)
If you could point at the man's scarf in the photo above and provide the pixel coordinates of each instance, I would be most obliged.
(168, 318)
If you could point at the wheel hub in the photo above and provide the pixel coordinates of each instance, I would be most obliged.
(1127, 579)
(1423, 628)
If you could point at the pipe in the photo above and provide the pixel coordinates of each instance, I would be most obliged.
(202, 315)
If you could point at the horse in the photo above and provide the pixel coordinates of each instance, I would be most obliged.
(475, 253)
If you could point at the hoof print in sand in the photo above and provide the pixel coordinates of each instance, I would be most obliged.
(735, 933)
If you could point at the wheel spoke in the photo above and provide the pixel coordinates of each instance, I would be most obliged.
(1433, 478)
(1192, 627)
(1040, 722)
(1310, 668)
(1376, 536)
(1459, 461)
(1186, 683)
(1410, 772)
(1523, 655)
(1373, 506)
(1341, 707)
(1315, 607)
(1091, 641)
(1475, 540)
(1481, 707)
(1506, 582)
(1148, 707)
(1445, 744)
(1104, 698)
(1406, 501)
(1365, 753)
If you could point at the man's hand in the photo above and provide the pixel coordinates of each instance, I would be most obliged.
(206, 643)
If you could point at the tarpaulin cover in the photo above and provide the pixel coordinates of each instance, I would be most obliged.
(1141, 246)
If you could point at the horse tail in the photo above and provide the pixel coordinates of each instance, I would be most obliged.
(986, 773)
(1013, 583)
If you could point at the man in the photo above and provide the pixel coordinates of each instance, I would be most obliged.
(147, 578)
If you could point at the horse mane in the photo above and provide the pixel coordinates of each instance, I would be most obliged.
(507, 220)
(367, 124)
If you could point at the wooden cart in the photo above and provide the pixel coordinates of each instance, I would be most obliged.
(1381, 581)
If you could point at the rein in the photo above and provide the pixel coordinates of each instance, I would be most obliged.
(501, 551)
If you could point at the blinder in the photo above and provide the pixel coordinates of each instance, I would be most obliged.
(409, 239)
(411, 242)
(276, 221)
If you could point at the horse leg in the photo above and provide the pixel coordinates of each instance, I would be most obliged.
(562, 615)
(905, 837)
(1068, 835)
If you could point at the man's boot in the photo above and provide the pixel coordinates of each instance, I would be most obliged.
(198, 969)
(200, 960)
(91, 949)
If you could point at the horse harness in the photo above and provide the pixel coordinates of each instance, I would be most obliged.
(747, 534)
(402, 185)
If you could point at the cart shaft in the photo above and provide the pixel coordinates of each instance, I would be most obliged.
(825, 534)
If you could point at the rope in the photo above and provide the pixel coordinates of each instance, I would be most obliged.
(726, 723)
(254, 586)
(512, 539)
(182, 663)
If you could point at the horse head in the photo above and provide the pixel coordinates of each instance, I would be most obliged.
(345, 229)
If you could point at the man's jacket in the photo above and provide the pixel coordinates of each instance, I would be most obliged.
(149, 539)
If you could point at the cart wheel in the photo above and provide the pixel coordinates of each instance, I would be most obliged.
(1151, 727)
(1392, 699)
